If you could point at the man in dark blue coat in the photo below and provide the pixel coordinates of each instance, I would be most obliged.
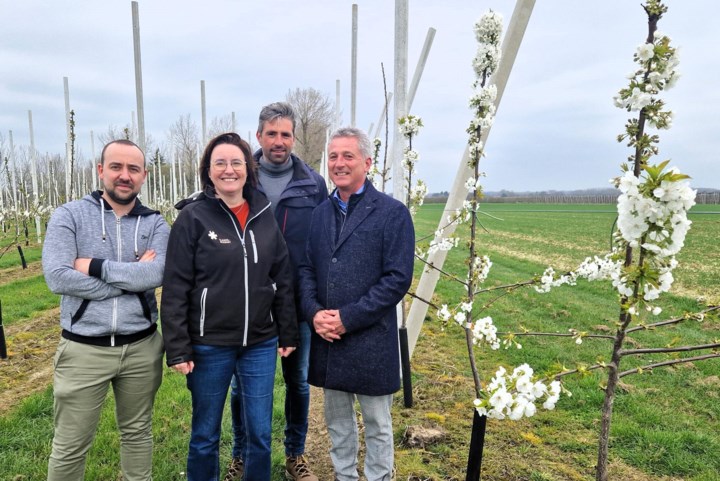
(359, 265)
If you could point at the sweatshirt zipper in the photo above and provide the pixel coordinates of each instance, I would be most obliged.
(233, 219)
(118, 235)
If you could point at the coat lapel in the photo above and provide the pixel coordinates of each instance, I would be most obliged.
(357, 216)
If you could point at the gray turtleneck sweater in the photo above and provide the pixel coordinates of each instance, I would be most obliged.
(274, 178)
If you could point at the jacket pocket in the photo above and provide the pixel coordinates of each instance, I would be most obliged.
(79, 313)
(254, 247)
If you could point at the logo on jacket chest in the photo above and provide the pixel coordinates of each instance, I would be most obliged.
(212, 235)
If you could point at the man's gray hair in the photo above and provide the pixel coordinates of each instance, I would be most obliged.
(362, 139)
(274, 111)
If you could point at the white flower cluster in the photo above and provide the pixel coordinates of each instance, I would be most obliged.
(472, 185)
(410, 125)
(33, 210)
(480, 268)
(658, 62)
(514, 396)
(488, 32)
(377, 143)
(655, 220)
(442, 244)
(548, 280)
(489, 28)
(483, 330)
(599, 268)
(417, 196)
(410, 157)
(652, 215)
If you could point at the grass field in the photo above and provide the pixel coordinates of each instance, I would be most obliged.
(666, 424)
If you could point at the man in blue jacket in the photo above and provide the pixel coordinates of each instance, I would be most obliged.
(105, 255)
(294, 190)
(358, 267)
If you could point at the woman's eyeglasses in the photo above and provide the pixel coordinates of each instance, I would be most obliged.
(221, 165)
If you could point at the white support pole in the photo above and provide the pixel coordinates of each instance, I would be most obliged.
(202, 112)
(194, 169)
(401, 49)
(353, 65)
(13, 179)
(324, 161)
(139, 86)
(337, 104)
(93, 162)
(82, 180)
(420, 67)
(173, 179)
(181, 179)
(429, 278)
(68, 143)
(234, 125)
(33, 176)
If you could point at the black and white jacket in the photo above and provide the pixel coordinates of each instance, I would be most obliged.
(223, 285)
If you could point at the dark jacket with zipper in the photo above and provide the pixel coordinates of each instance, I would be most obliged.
(224, 285)
(305, 191)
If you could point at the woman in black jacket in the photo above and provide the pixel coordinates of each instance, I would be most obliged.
(227, 305)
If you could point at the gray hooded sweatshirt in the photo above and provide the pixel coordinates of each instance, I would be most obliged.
(117, 299)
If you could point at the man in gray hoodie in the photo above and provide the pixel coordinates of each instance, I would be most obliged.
(105, 255)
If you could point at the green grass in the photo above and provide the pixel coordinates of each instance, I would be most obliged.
(11, 255)
(665, 423)
(25, 298)
(27, 431)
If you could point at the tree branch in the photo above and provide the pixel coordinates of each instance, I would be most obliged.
(432, 266)
(415, 296)
(650, 367)
(507, 286)
(668, 322)
(556, 334)
(575, 371)
(630, 352)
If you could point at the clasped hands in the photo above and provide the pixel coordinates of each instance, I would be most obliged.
(328, 325)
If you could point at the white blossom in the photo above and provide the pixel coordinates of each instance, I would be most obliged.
(646, 51)
(515, 396)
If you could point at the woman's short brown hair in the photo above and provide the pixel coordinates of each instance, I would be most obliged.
(233, 139)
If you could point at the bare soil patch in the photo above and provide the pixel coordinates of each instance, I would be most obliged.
(28, 368)
(317, 443)
(12, 274)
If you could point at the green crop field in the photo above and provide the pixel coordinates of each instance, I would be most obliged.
(666, 423)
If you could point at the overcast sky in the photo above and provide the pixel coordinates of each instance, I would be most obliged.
(555, 128)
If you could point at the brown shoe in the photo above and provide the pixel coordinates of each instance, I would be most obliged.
(235, 470)
(296, 469)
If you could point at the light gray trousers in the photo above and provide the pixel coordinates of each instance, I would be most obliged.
(343, 429)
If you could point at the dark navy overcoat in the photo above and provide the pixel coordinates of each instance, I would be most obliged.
(363, 267)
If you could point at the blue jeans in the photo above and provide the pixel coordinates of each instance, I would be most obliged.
(254, 368)
(297, 400)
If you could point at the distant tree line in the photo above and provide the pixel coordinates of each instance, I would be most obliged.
(582, 196)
